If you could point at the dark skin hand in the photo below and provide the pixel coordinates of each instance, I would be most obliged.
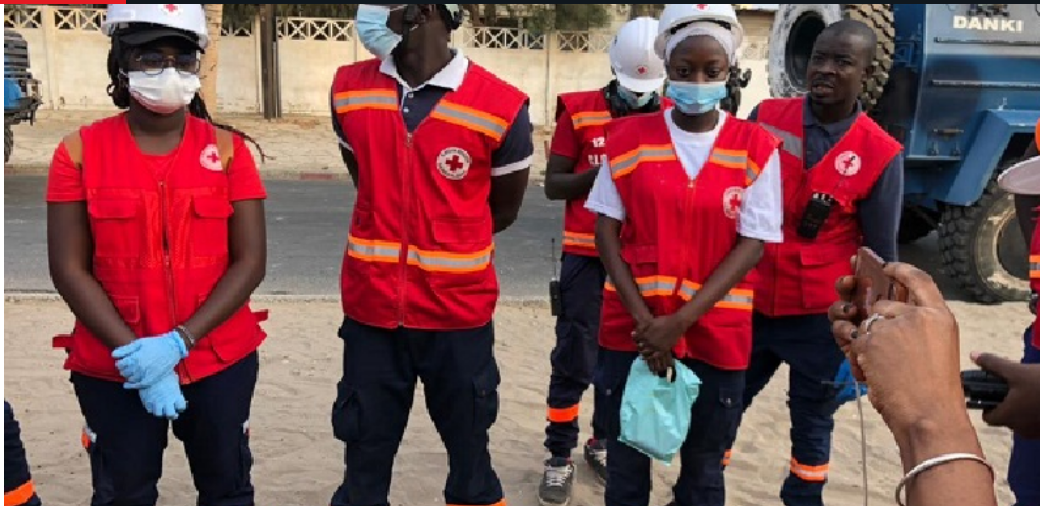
(561, 183)
(840, 63)
(697, 59)
(70, 245)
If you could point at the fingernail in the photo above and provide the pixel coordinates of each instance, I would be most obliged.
(847, 308)
(855, 334)
(975, 356)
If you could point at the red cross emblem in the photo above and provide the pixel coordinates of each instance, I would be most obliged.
(210, 158)
(213, 157)
(702, 6)
(732, 199)
(641, 70)
(171, 8)
(847, 163)
(454, 163)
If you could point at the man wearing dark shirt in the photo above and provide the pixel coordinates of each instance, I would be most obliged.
(843, 188)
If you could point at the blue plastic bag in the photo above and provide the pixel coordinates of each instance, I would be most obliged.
(655, 411)
(845, 382)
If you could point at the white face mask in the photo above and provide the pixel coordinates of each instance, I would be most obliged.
(165, 92)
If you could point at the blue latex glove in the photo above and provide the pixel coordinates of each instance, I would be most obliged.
(164, 399)
(845, 382)
(145, 361)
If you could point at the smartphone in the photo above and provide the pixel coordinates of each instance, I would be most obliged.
(873, 285)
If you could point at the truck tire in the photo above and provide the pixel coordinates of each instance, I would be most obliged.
(983, 250)
(795, 29)
(8, 142)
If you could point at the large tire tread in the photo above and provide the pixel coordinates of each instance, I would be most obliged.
(880, 18)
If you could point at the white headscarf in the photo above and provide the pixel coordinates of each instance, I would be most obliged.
(714, 30)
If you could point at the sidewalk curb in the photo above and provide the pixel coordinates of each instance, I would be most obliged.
(507, 301)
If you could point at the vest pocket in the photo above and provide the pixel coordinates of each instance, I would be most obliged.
(129, 309)
(820, 269)
(116, 228)
(463, 254)
(485, 398)
(209, 228)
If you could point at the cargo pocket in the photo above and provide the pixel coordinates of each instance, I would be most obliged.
(730, 409)
(346, 414)
(820, 269)
(485, 398)
(610, 378)
(209, 229)
(464, 257)
(129, 309)
(115, 229)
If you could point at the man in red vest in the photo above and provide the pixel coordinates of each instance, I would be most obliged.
(843, 181)
(439, 150)
(578, 150)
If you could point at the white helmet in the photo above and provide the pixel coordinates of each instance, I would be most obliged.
(177, 18)
(633, 59)
(676, 16)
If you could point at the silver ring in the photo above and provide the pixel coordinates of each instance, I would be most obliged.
(874, 318)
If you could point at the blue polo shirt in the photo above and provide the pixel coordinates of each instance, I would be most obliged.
(517, 148)
(882, 209)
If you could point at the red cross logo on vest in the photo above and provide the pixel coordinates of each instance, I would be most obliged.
(171, 9)
(847, 163)
(732, 199)
(453, 163)
(210, 158)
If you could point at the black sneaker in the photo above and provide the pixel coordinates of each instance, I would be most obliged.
(557, 483)
(596, 458)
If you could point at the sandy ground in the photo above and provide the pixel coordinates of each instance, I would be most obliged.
(298, 462)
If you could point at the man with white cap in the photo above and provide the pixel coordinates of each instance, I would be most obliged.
(577, 151)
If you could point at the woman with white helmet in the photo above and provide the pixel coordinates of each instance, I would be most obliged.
(156, 239)
(575, 156)
(686, 200)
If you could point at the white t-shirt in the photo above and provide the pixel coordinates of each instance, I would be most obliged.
(761, 211)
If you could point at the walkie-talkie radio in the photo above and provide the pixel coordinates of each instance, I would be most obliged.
(816, 213)
(555, 295)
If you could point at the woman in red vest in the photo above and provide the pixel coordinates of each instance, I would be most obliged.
(686, 200)
(156, 239)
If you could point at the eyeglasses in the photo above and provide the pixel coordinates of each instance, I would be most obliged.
(154, 63)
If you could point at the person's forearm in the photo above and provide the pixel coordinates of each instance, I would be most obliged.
(92, 307)
(569, 186)
(958, 482)
(734, 268)
(228, 296)
(608, 243)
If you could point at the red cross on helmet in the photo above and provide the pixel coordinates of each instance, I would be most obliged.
(179, 18)
(675, 16)
(632, 56)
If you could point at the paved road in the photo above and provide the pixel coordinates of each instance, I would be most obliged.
(307, 227)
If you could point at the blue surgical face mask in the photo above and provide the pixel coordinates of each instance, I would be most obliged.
(377, 38)
(633, 99)
(696, 98)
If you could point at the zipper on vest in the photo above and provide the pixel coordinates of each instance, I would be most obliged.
(402, 284)
(167, 264)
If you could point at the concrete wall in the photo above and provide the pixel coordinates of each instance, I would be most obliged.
(68, 55)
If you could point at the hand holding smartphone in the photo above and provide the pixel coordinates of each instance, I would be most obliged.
(873, 285)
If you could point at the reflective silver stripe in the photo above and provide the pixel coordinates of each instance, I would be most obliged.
(656, 286)
(751, 174)
(633, 161)
(491, 126)
(792, 144)
(687, 292)
(365, 100)
(1034, 267)
(738, 299)
(374, 250)
(731, 159)
(449, 264)
(583, 121)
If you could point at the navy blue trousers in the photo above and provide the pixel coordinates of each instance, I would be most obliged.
(574, 356)
(18, 485)
(807, 345)
(374, 398)
(126, 443)
(713, 418)
(1024, 467)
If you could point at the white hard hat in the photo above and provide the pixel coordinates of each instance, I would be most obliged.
(171, 20)
(676, 16)
(633, 59)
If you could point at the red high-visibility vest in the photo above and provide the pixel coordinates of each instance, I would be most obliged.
(160, 246)
(420, 249)
(797, 277)
(677, 231)
(589, 113)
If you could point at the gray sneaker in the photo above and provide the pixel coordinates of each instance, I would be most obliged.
(596, 458)
(557, 482)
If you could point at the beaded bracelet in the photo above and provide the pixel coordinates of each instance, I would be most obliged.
(933, 463)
